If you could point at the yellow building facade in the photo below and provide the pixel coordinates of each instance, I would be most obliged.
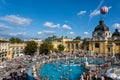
(8, 50)
(4, 48)
(102, 41)
(16, 49)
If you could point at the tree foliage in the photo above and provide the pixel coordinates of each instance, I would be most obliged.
(46, 47)
(52, 38)
(60, 47)
(55, 50)
(15, 40)
(31, 47)
(85, 39)
(77, 38)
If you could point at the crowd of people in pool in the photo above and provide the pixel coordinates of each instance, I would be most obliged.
(92, 75)
(15, 69)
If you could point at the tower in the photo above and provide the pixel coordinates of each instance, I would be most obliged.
(101, 32)
(116, 34)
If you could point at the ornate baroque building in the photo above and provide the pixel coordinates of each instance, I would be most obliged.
(102, 41)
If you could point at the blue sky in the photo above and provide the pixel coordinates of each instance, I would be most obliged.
(42, 18)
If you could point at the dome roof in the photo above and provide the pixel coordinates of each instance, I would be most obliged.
(101, 27)
(116, 33)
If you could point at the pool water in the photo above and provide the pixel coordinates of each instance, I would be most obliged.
(30, 76)
(71, 68)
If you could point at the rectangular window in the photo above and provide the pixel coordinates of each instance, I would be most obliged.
(76, 46)
(72, 46)
(69, 45)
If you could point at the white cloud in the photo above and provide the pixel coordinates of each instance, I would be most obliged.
(39, 33)
(81, 13)
(51, 25)
(19, 33)
(65, 26)
(4, 34)
(17, 20)
(71, 33)
(116, 25)
(48, 32)
(109, 7)
(12, 34)
(45, 33)
(2, 26)
(22, 33)
(86, 33)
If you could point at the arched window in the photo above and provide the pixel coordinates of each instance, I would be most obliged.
(99, 34)
(97, 45)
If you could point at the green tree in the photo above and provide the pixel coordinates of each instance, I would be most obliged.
(18, 40)
(15, 40)
(46, 47)
(60, 47)
(31, 47)
(86, 39)
(52, 38)
(12, 40)
(77, 38)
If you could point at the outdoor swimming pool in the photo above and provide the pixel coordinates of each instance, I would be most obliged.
(70, 68)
